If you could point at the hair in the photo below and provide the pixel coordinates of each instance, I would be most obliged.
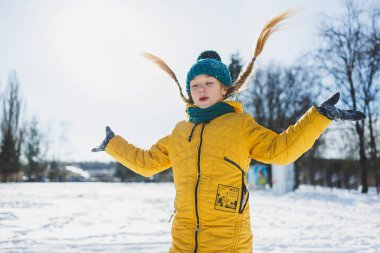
(160, 63)
(270, 27)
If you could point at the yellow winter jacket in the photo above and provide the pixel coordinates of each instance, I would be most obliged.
(212, 210)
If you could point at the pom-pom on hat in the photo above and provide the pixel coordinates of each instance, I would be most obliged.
(209, 63)
(209, 54)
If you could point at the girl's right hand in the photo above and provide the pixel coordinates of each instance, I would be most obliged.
(102, 146)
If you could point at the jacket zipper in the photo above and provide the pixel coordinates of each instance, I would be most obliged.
(243, 187)
(196, 189)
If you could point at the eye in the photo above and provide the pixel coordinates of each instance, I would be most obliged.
(209, 83)
(194, 86)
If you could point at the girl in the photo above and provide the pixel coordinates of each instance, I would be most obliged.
(211, 151)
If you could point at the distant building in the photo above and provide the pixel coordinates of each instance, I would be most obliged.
(102, 174)
(75, 174)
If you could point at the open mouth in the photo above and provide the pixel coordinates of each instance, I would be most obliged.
(202, 99)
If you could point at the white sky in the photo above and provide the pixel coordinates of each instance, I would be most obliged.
(80, 67)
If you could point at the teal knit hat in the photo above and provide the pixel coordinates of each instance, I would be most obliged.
(209, 63)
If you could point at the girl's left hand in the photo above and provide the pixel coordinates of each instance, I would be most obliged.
(329, 110)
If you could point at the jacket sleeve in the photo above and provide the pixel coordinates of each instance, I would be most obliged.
(143, 162)
(269, 147)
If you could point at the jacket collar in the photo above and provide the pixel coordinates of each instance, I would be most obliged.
(238, 107)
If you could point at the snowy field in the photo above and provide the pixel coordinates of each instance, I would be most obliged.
(105, 217)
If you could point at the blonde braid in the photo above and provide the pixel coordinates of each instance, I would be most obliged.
(270, 27)
(160, 63)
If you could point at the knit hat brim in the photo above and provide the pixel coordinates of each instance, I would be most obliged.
(209, 67)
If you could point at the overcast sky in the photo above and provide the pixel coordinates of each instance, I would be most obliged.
(80, 69)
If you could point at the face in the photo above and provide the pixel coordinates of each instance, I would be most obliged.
(206, 91)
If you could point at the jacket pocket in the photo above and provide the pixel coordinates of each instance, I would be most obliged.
(244, 190)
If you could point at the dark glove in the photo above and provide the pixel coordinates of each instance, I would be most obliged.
(328, 110)
(102, 146)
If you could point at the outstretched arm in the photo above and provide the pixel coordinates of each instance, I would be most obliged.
(143, 162)
(269, 147)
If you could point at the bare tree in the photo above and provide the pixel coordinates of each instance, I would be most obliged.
(279, 95)
(235, 66)
(34, 152)
(350, 56)
(369, 73)
(12, 132)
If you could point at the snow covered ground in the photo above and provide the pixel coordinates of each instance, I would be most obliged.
(105, 217)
